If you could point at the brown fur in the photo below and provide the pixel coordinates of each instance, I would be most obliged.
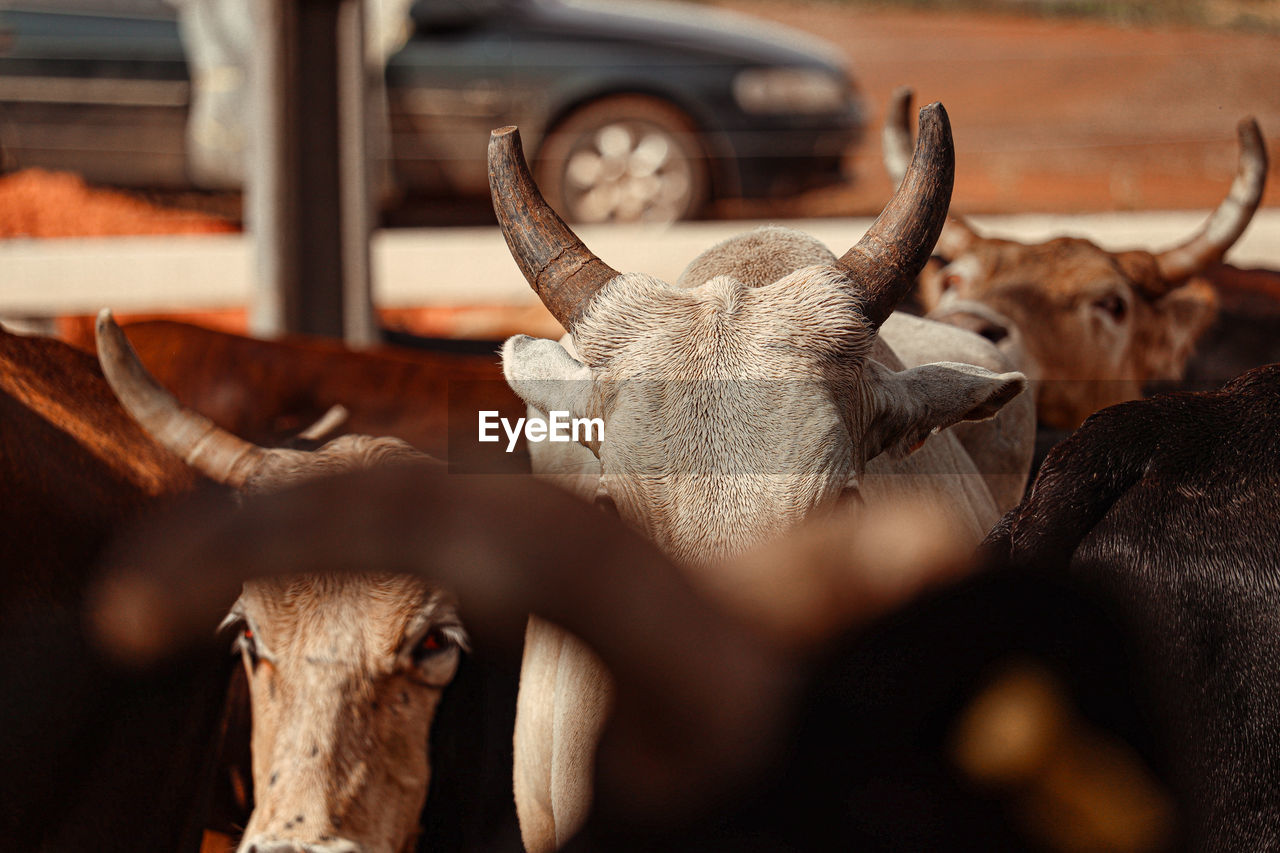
(73, 464)
(341, 703)
(1060, 300)
(265, 391)
(341, 711)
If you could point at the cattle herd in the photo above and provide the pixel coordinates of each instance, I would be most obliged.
(813, 587)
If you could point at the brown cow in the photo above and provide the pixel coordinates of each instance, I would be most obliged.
(93, 758)
(265, 391)
(344, 674)
(1092, 326)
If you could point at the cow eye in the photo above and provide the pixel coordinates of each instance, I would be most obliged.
(248, 644)
(1112, 305)
(435, 643)
(950, 280)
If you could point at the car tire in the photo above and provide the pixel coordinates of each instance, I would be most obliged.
(625, 158)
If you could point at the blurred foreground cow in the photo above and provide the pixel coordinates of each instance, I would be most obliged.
(1002, 713)
(344, 673)
(1091, 326)
(1170, 507)
(732, 408)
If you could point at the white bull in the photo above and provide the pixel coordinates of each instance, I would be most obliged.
(733, 409)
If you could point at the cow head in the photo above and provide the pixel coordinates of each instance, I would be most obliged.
(1093, 326)
(344, 673)
(731, 411)
(344, 677)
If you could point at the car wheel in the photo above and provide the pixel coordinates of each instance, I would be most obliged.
(626, 158)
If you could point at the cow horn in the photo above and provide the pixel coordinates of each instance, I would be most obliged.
(1220, 232)
(886, 261)
(195, 439)
(957, 235)
(562, 270)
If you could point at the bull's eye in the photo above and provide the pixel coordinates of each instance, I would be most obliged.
(951, 280)
(435, 643)
(1113, 306)
(248, 644)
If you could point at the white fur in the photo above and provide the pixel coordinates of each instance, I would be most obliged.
(734, 406)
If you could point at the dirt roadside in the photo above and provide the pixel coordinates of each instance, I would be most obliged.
(1049, 114)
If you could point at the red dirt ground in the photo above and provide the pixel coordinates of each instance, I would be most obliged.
(36, 203)
(1049, 114)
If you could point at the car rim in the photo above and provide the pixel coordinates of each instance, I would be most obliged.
(628, 172)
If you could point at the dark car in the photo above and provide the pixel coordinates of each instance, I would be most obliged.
(628, 112)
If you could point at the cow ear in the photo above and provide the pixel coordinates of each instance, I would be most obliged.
(1182, 316)
(546, 376)
(941, 275)
(913, 404)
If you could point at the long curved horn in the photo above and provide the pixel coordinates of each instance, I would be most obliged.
(562, 270)
(886, 261)
(957, 235)
(192, 437)
(1220, 232)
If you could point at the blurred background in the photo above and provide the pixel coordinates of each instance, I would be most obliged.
(129, 117)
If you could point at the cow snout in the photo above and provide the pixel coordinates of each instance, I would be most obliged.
(271, 846)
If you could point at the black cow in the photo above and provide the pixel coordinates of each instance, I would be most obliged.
(1170, 508)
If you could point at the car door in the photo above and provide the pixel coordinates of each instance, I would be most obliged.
(447, 88)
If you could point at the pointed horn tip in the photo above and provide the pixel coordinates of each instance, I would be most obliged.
(108, 335)
(508, 130)
(933, 112)
(1250, 135)
(105, 320)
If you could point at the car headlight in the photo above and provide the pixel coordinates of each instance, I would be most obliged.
(789, 90)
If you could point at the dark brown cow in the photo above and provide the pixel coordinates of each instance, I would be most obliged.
(1092, 326)
(1169, 507)
(94, 758)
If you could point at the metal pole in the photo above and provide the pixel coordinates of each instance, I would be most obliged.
(360, 324)
(266, 200)
(308, 195)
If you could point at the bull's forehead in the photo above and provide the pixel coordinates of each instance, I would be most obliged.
(639, 327)
(1060, 267)
(353, 619)
(728, 417)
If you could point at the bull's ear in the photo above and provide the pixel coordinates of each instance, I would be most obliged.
(913, 404)
(1182, 316)
(941, 275)
(546, 376)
